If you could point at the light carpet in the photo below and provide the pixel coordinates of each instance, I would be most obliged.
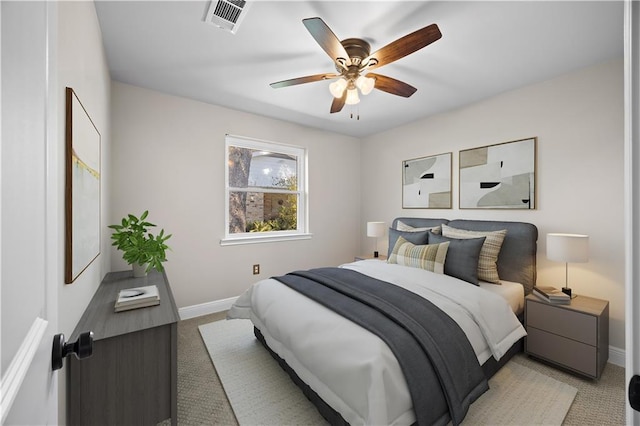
(260, 392)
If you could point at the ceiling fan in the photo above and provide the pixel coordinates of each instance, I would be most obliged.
(353, 61)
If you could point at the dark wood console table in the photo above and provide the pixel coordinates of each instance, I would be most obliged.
(131, 378)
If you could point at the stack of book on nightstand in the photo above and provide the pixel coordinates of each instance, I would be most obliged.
(139, 297)
(552, 295)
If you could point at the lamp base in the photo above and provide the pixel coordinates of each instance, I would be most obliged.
(376, 254)
(567, 291)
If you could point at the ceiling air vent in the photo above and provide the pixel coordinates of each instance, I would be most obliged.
(226, 14)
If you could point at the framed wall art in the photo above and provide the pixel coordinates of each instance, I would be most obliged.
(500, 176)
(426, 182)
(82, 188)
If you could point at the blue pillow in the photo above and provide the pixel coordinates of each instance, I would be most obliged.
(462, 256)
(419, 238)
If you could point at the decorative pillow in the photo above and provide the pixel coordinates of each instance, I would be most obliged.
(419, 238)
(462, 256)
(430, 257)
(401, 226)
(487, 267)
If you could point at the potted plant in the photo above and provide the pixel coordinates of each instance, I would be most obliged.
(141, 248)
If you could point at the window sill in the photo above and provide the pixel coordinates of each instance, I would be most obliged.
(263, 239)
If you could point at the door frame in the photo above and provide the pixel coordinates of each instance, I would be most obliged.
(54, 202)
(632, 197)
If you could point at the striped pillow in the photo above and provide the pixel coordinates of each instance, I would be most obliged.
(430, 257)
(487, 266)
(401, 226)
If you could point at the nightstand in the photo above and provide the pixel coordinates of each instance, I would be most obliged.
(370, 256)
(574, 336)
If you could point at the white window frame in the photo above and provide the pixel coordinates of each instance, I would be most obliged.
(302, 220)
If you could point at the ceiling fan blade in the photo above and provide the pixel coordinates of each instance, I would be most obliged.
(327, 40)
(301, 80)
(391, 85)
(338, 103)
(403, 46)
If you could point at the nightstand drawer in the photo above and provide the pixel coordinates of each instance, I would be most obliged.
(567, 352)
(563, 322)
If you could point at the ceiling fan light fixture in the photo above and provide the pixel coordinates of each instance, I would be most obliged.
(352, 97)
(337, 87)
(352, 58)
(365, 84)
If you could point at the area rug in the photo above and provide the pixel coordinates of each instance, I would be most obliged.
(261, 393)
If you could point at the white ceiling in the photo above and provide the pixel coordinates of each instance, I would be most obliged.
(486, 48)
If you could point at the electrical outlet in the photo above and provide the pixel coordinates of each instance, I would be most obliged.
(256, 269)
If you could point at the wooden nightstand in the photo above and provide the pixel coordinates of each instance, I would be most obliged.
(574, 336)
(370, 256)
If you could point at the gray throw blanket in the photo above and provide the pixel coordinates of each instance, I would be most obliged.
(438, 362)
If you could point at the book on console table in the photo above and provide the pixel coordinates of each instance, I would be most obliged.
(552, 295)
(138, 297)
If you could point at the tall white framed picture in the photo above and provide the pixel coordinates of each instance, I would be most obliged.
(82, 188)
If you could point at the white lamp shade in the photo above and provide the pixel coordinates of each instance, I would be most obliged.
(365, 84)
(337, 87)
(375, 229)
(352, 97)
(568, 248)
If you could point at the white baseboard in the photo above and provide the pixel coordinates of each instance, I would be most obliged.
(617, 356)
(206, 308)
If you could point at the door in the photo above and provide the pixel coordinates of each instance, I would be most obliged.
(29, 205)
(632, 177)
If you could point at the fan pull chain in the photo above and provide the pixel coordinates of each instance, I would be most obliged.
(357, 114)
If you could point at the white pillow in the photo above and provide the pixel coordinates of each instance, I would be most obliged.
(401, 226)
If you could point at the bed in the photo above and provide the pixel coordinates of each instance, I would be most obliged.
(356, 376)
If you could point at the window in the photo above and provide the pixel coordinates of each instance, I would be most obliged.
(265, 191)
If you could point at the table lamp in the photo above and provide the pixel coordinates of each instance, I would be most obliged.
(568, 248)
(376, 230)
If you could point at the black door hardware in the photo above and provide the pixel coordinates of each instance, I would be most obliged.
(83, 348)
(634, 392)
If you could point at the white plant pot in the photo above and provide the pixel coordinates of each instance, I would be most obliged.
(140, 271)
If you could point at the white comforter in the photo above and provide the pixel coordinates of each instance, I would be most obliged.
(349, 367)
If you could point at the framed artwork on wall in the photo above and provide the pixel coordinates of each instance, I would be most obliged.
(426, 182)
(82, 189)
(500, 176)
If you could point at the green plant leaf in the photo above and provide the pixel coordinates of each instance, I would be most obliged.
(137, 244)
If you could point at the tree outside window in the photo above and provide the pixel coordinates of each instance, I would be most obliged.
(265, 194)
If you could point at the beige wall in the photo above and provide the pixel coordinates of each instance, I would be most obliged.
(578, 119)
(81, 65)
(168, 153)
(168, 157)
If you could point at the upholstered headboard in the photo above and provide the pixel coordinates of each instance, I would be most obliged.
(517, 258)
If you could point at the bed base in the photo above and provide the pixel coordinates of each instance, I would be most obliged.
(490, 367)
(325, 410)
